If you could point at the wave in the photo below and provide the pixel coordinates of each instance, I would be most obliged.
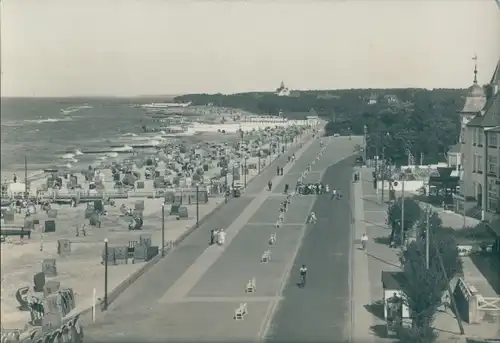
(129, 134)
(112, 154)
(73, 109)
(78, 152)
(123, 148)
(46, 120)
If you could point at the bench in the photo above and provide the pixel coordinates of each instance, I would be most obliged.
(266, 256)
(240, 312)
(251, 286)
(15, 232)
(272, 239)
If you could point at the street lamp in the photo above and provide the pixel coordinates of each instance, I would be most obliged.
(197, 206)
(260, 152)
(365, 131)
(427, 237)
(245, 171)
(105, 274)
(225, 183)
(163, 229)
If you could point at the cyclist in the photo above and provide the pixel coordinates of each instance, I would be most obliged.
(312, 218)
(334, 193)
(303, 273)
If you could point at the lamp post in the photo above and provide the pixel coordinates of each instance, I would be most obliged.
(260, 151)
(225, 183)
(105, 274)
(163, 230)
(232, 181)
(402, 209)
(197, 205)
(365, 131)
(427, 237)
(245, 171)
(26, 178)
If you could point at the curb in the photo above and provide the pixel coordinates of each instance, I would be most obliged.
(128, 281)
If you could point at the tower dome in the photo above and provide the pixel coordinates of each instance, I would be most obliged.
(476, 91)
(476, 96)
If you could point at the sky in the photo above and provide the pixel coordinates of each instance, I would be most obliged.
(149, 47)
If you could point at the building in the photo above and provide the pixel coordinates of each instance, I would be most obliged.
(480, 148)
(282, 90)
(391, 99)
(372, 99)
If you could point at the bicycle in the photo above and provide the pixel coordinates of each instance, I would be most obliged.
(302, 281)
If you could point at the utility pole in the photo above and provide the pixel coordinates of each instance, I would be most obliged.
(383, 172)
(365, 131)
(427, 237)
(402, 211)
(25, 177)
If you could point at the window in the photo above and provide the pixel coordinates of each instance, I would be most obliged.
(480, 134)
(492, 139)
(492, 196)
(474, 162)
(474, 136)
(492, 164)
(479, 167)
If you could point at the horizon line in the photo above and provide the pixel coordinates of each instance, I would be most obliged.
(96, 96)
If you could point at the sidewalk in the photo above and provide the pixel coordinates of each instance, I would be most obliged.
(381, 257)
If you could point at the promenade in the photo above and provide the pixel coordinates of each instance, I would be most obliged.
(192, 294)
(368, 321)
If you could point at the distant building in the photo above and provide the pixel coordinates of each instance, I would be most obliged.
(327, 96)
(391, 99)
(372, 99)
(480, 147)
(282, 90)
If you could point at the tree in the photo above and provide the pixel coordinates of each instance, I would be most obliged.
(425, 286)
(412, 214)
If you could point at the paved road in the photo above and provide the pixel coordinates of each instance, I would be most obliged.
(191, 294)
(321, 311)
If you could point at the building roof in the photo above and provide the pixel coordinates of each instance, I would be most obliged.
(475, 101)
(495, 79)
(491, 117)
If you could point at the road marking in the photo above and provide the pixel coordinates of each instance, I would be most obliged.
(273, 306)
(274, 224)
(182, 286)
(225, 299)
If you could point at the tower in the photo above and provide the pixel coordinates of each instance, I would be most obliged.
(474, 103)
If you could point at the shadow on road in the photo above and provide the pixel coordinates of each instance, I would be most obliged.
(375, 224)
(384, 261)
(376, 308)
(379, 330)
(384, 240)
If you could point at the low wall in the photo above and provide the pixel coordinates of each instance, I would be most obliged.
(410, 186)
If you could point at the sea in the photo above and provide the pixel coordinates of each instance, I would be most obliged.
(52, 133)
